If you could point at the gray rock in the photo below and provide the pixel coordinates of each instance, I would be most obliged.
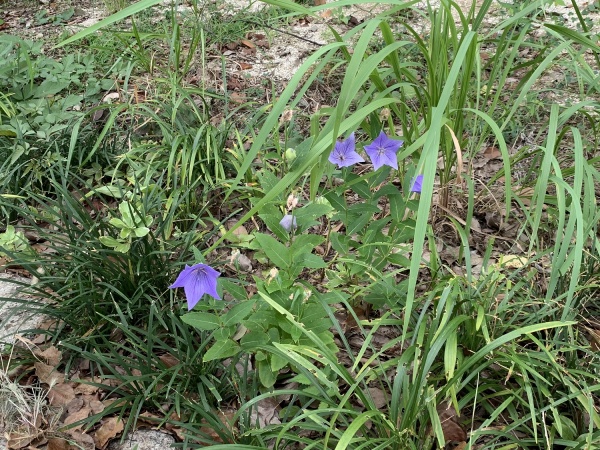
(12, 316)
(144, 440)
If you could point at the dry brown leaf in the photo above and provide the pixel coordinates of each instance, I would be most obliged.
(109, 429)
(326, 14)
(97, 406)
(81, 414)
(47, 374)
(58, 444)
(51, 355)
(266, 413)
(75, 405)
(492, 153)
(594, 338)
(453, 431)
(247, 43)
(85, 388)
(20, 439)
(226, 418)
(61, 395)
(169, 360)
(83, 441)
(238, 98)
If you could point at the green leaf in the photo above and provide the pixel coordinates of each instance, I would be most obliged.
(221, 350)
(116, 222)
(311, 261)
(141, 231)
(306, 242)
(254, 339)
(109, 241)
(277, 253)
(238, 313)
(237, 292)
(277, 363)
(265, 374)
(202, 321)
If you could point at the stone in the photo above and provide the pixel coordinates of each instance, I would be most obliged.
(144, 440)
(13, 317)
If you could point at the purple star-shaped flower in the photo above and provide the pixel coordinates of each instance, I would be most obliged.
(289, 222)
(196, 281)
(344, 153)
(417, 184)
(382, 151)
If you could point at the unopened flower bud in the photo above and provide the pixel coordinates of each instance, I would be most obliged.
(290, 154)
(288, 223)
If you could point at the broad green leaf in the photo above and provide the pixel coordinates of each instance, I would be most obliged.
(221, 350)
(238, 313)
(254, 339)
(202, 321)
(277, 253)
(141, 231)
(265, 374)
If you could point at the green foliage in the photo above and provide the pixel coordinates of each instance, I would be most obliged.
(15, 243)
(131, 199)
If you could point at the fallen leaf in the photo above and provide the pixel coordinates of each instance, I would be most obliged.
(245, 66)
(492, 153)
(83, 441)
(85, 387)
(169, 360)
(47, 374)
(226, 418)
(109, 429)
(74, 405)
(238, 98)
(248, 43)
(97, 406)
(60, 395)
(378, 396)
(266, 413)
(453, 431)
(83, 413)
(58, 444)
(594, 338)
(20, 439)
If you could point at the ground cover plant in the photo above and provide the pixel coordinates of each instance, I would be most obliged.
(414, 265)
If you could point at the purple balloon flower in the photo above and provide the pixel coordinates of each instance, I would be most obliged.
(344, 154)
(382, 151)
(196, 281)
(288, 222)
(417, 184)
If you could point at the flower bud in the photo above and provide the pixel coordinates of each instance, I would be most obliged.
(290, 154)
(288, 223)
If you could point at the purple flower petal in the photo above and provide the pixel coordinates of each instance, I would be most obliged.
(344, 154)
(383, 150)
(196, 281)
(417, 184)
(288, 222)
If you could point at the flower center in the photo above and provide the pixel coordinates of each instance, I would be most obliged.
(381, 151)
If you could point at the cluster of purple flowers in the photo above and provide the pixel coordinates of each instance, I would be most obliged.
(382, 152)
(201, 279)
